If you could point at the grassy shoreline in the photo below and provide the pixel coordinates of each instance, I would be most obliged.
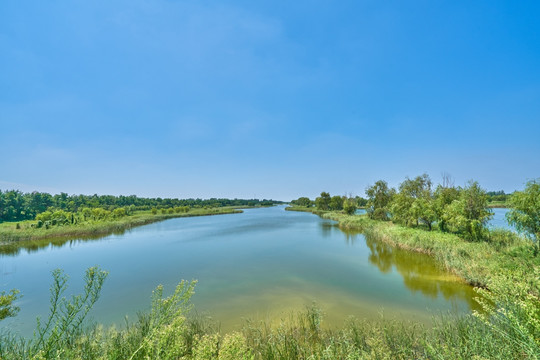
(10, 235)
(476, 262)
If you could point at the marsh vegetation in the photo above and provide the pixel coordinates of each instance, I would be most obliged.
(499, 319)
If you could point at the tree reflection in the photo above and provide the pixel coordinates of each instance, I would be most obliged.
(34, 246)
(420, 272)
(326, 228)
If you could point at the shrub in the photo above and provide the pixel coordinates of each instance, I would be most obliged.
(7, 309)
(380, 214)
(349, 206)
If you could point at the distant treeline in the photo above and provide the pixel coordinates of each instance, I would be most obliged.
(17, 206)
(337, 203)
(328, 202)
(497, 196)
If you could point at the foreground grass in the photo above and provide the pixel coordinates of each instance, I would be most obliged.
(9, 232)
(170, 331)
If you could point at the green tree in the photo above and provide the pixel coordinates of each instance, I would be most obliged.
(87, 213)
(119, 212)
(336, 203)
(469, 214)
(424, 210)
(302, 201)
(323, 202)
(100, 214)
(349, 206)
(60, 217)
(36, 203)
(379, 198)
(360, 201)
(414, 202)
(524, 214)
(444, 196)
(44, 216)
(12, 206)
(401, 208)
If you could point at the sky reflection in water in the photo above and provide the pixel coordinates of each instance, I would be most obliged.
(261, 264)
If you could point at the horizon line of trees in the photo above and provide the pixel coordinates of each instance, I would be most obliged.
(492, 196)
(328, 202)
(18, 206)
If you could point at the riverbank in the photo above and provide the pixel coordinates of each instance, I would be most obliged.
(20, 232)
(478, 263)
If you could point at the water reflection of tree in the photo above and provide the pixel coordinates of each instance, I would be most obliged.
(327, 228)
(420, 272)
(33, 246)
(351, 237)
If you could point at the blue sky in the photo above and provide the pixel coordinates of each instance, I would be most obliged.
(266, 99)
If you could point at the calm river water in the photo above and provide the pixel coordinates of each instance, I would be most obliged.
(261, 264)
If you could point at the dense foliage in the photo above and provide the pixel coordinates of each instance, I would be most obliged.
(419, 203)
(17, 206)
(302, 201)
(413, 203)
(328, 202)
(525, 212)
(460, 210)
(469, 214)
(379, 200)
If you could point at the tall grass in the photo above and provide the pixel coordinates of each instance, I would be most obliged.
(170, 331)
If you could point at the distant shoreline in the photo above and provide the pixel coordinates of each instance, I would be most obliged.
(10, 235)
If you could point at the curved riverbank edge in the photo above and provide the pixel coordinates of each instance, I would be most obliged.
(10, 237)
(477, 263)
